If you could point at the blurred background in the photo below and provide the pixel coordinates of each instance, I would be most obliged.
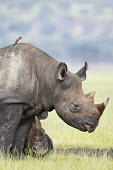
(72, 31)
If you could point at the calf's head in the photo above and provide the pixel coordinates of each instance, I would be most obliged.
(71, 104)
(39, 142)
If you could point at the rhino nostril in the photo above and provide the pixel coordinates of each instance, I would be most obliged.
(74, 107)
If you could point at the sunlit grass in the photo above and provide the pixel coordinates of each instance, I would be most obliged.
(64, 136)
(58, 161)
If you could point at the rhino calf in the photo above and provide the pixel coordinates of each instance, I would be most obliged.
(37, 143)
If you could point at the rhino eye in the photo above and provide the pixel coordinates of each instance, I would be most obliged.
(74, 107)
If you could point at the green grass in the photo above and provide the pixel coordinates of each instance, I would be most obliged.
(59, 162)
(65, 137)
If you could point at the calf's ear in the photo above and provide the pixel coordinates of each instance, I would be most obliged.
(82, 72)
(40, 133)
(61, 71)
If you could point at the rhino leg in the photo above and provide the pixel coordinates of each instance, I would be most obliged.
(10, 116)
(20, 135)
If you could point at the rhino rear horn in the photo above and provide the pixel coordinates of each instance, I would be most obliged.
(40, 133)
(82, 72)
(61, 71)
(90, 96)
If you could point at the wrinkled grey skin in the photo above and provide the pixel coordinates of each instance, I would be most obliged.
(31, 82)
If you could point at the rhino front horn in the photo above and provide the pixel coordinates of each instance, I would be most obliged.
(91, 96)
(102, 106)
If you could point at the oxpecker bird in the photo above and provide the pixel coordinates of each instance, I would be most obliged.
(18, 41)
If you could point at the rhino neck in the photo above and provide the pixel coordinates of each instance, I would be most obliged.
(46, 76)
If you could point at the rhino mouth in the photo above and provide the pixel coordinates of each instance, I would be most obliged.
(87, 127)
(83, 126)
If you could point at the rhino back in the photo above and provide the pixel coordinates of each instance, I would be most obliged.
(18, 65)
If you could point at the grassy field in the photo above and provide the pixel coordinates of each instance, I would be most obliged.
(65, 137)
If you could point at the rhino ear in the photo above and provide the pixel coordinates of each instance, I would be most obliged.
(61, 71)
(82, 72)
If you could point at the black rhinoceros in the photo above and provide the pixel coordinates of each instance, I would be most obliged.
(33, 83)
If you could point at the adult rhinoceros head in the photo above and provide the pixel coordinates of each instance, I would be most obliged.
(71, 104)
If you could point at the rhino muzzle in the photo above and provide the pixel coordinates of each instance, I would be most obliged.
(87, 127)
(92, 122)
